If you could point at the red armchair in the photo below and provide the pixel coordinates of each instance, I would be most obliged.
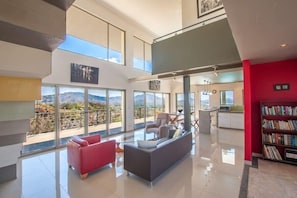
(86, 154)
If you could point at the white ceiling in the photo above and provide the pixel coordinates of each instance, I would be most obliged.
(258, 27)
(159, 17)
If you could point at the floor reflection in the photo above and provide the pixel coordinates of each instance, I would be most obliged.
(212, 169)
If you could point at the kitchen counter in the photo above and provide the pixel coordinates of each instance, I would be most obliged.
(231, 119)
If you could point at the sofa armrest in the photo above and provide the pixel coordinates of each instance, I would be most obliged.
(152, 125)
(137, 161)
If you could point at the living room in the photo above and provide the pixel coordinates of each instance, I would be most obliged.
(55, 71)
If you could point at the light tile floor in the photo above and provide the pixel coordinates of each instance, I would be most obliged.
(272, 180)
(213, 169)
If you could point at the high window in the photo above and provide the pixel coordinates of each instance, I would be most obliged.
(96, 38)
(142, 55)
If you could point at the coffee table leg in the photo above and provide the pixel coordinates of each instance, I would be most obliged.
(118, 149)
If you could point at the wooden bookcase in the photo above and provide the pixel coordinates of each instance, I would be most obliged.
(279, 131)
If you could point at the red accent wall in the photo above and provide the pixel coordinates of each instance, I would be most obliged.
(247, 111)
(262, 79)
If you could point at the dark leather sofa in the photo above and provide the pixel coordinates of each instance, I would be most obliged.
(151, 163)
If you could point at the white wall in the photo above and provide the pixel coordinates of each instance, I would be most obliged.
(190, 14)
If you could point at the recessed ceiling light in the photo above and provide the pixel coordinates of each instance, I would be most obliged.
(284, 45)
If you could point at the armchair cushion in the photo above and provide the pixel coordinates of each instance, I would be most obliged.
(92, 139)
(80, 141)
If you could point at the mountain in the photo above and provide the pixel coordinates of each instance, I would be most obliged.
(78, 97)
(139, 99)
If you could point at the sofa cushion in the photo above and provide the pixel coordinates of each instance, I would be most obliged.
(147, 143)
(79, 141)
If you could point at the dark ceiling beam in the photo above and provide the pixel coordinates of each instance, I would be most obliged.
(202, 70)
(63, 4)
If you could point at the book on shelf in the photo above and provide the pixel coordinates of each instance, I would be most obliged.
(271, 152)
(279, 110)
(289, 125)
(280, 139)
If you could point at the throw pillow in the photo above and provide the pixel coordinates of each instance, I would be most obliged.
(171, 133)
(80, 141)
(177, 133)
(147, 144)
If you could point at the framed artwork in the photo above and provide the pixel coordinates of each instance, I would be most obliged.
(205, 7)
(84, 74)
(154, 84)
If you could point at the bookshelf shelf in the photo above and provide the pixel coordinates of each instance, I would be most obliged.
(279, 131)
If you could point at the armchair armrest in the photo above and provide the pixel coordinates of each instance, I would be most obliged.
(152, 125)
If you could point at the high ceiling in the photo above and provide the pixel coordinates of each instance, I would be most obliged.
(159, 17)
(258, 27)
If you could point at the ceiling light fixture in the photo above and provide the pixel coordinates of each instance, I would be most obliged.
(284, 45)
(174, 75)
(215, 70)
(207, 87)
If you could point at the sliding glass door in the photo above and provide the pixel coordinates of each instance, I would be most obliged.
(66, 111)
(116, 111)
(97, 111)
(42, 132)
(139, 110)
(71, 112)
(150, 107)
(147, 106)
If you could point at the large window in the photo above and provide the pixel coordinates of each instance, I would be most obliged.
(142, 55)
(97, 111)
(226, 97)
(65, 111)
(150, 106)
(96, 38)
(180, 101)
(43, 124)
(71, 112)
(147, 105)
(204, 100)
(139, 109)
(116, 111)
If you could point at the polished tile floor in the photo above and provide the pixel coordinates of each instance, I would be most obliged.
(213, 169)
(272, 179)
